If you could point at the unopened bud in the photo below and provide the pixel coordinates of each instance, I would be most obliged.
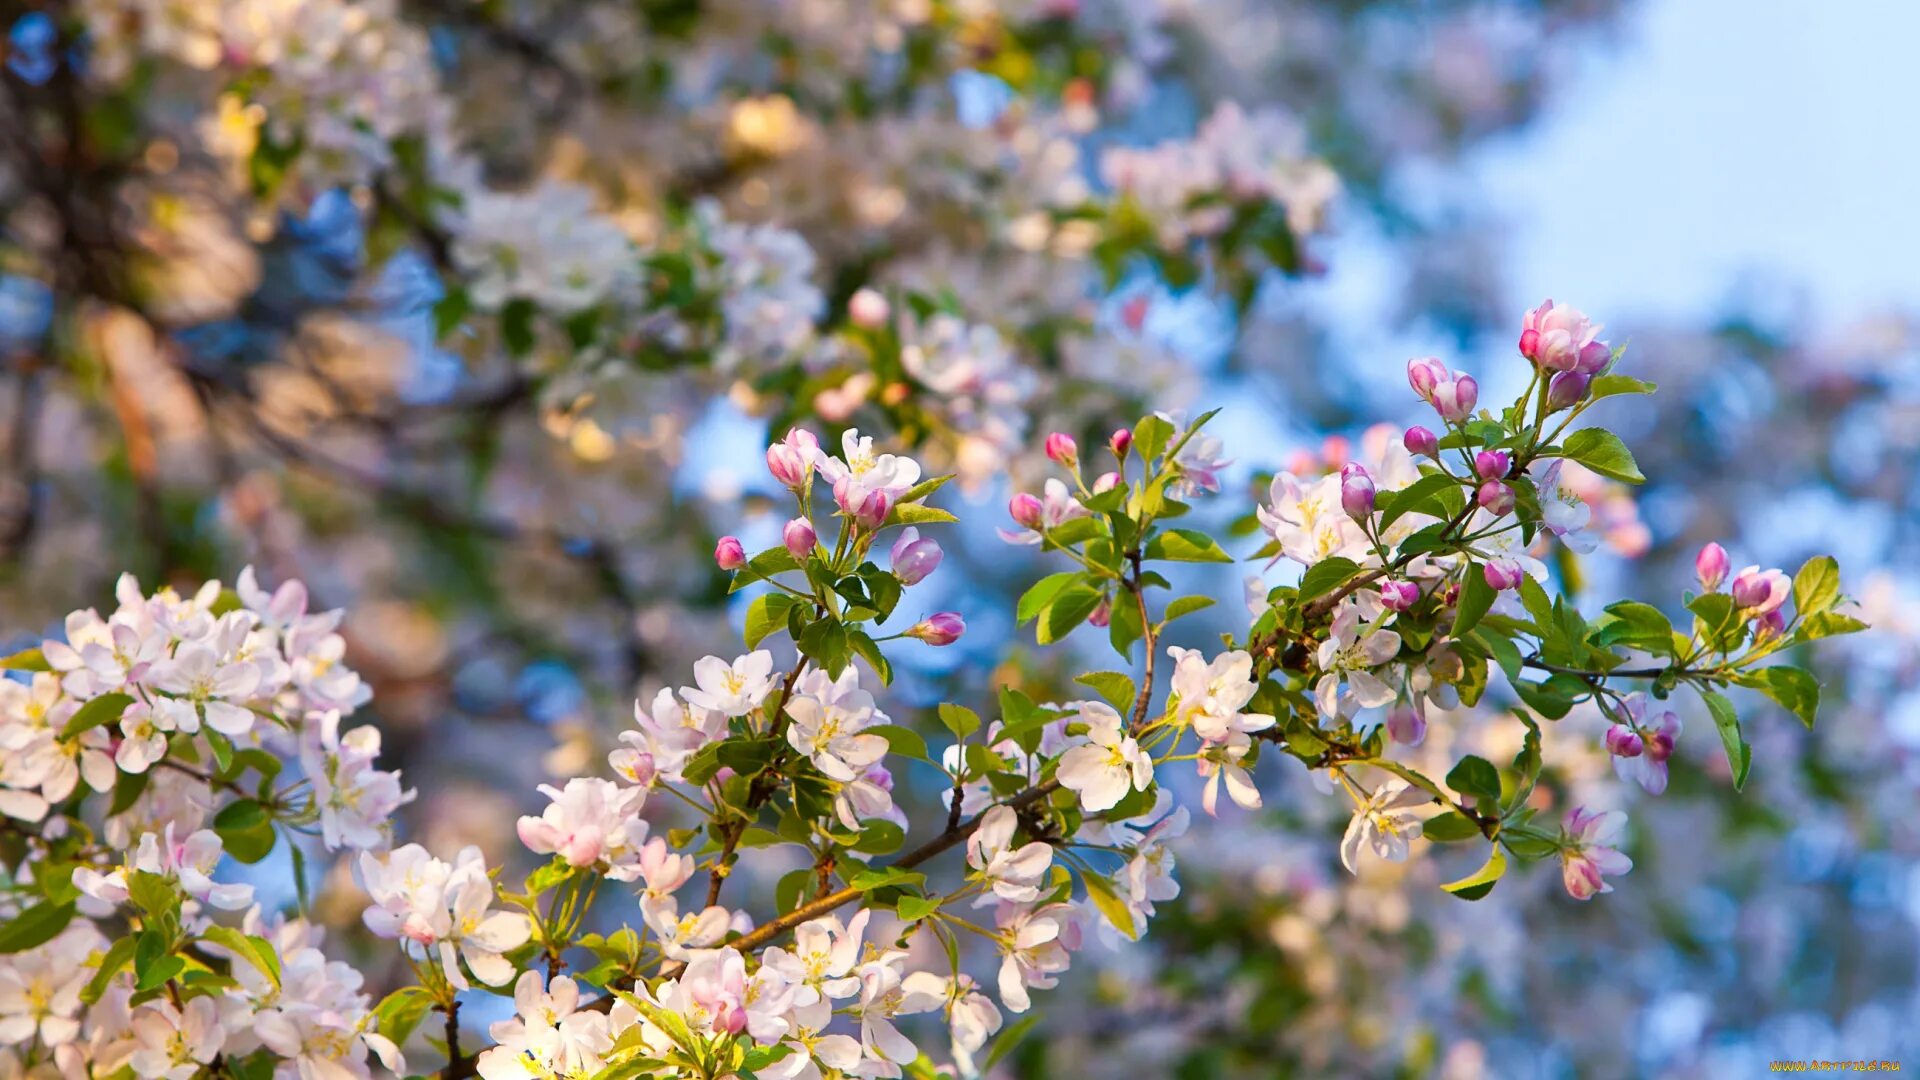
(1710, 567)
(941, 628)
(1356, 492)
(729, 554)
(1421, 443)
(1063, 451)
(1496, 498)
(1492, 464)
(799, 538)
(867, 309)
(1026, 510)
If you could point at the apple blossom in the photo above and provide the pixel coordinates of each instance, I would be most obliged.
(829, 730)
(913, 557)
(1349, 655)
(1380, 825)
(1356, 492)
(1454, 399)
(1496, 498)
(1425, 374)
(1567, 389)
(1558, 337)
(940, 628)
(798, 538)
(1758, 592)
(867, 309)
(1492, 464)
(1062, 450)
(1421, 442)
(1120, 442)
(728, 554)
(1109, 765)
(1502, 574)
(190, 861)
(1587, 855)
(732, 689)
(590, 822)
(1399, 595)
(1011, 873)
(1406, 725)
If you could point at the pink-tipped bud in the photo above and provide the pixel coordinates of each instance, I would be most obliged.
(1406, 726)
(1399, 595)
(1710, 567)
(1770, 626)
(873, 510)
(791, 459)
(799, 538)
(1424, 373)
(1421, 443)
(1356, 492)
(1492, 464)
(1106, 481)
(1062, 450)
(867, 309)
(1594, 358)
(728, 553)
(940, 628)
(1557, 337)
(1623, 743)
(1567, 389)
(1103, 614)
(1120, 442)
(1027, 510)
(914, 557)
(1502, 575)
(1496, 498)
(1454, 399)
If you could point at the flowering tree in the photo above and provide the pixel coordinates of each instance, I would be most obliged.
(149, 743)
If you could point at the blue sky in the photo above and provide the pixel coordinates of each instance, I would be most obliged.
(1718, 139)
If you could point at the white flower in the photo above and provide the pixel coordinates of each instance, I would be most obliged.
(886, 993)
(174, 1043)
(822, 958)
(190, 862)
(865, 472)
(1376, 825)
(204, 682)
(680, 935)
(1210, 695)
(1149, 875)
(1109, 765)
(1057, 507)
(549, 1036)
(828, 731)
(1222, 762)
(356, 801)
(590, 822)
(443, 909)
(1032, 951)
(1562, 510)
(1014, 873)
(1307, 520)
(1349, 656)
(40, 988)
(734, 689)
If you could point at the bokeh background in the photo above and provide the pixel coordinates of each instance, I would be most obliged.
(521, 540)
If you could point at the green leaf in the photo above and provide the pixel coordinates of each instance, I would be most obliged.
(1793, 688)
(1325, 576)
(1068, 610)
(881, 877)
(1828, 624)
(1739, 754)
(152, 893)
(1603, 452)
(112, 962)
(1185, 605)
(1115, 687)
(917, 514)
(35, 926)
(1415, 495)
(1036, 598)
(1480, 882)
(1614, 385)
(914, 908)
(1816, 588)
(766, 615)
(1101, 892)
(1008, 1039)
(901, 740)
(254, 950)
(959, 719)
(245, 829)
(1476, 776)
(1150, 436)
(1450, 827)
(26, 660)
(401, 1011)
(1641, 626)
(1186, 545)
(768, 564)
(1476, 596)
(925, 488)
(104, 709)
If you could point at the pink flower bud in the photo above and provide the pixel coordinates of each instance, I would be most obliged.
(1622, 742)
(867, 309)
(1424, 373)
(1710, 566)
(1566, 389)
(914, 557)
(1454, 399)
(1557, 337)
(1026, 510)
(1103, 614)
(1063, 450)
(1106, 481)
(1492, 464)
(1496, 498)
(791, 459)
(799, 538)
(1406, 726)
(1121, 442)
(1770, 625)
(1421, 443)
(1399, 595)
(1356, 492)
(1502, 575)
(1760, 591)
(729, 554)
(1594, 358)
(940, 628)
(873, 510)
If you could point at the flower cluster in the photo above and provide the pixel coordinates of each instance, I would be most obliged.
(1421, 579)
